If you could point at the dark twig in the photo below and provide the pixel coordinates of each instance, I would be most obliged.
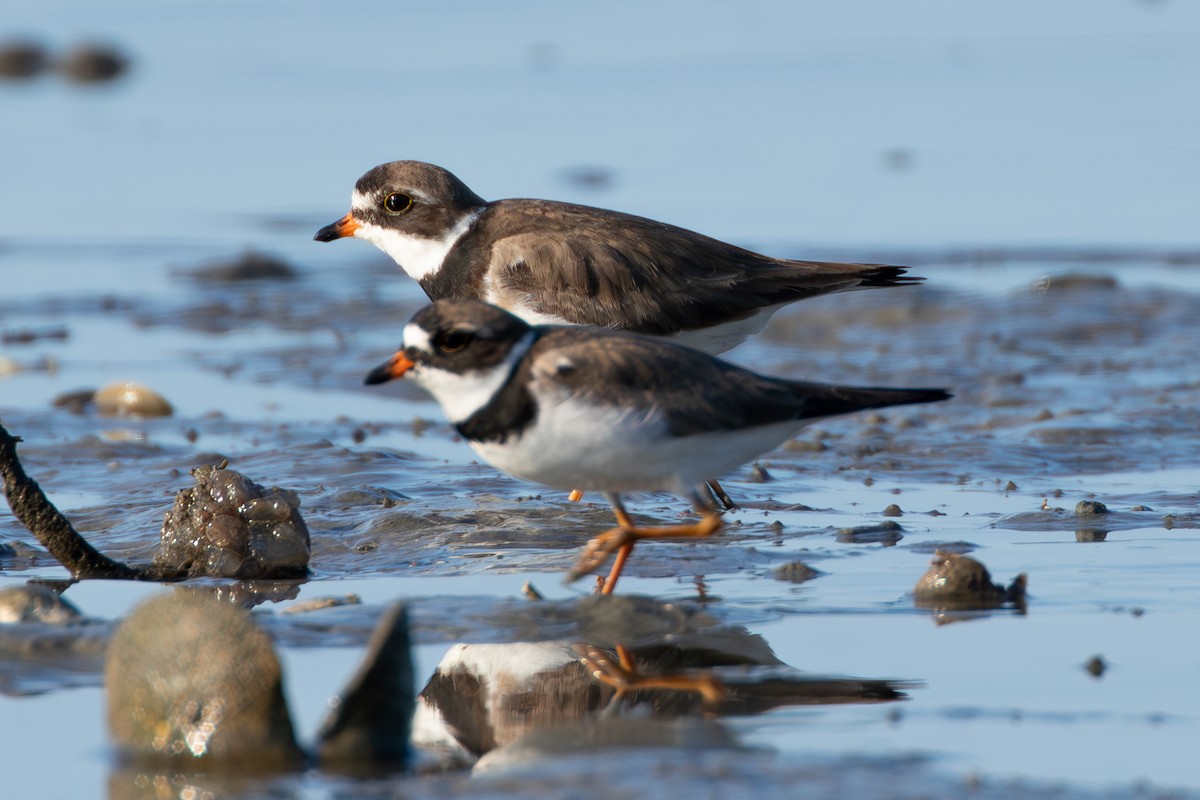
(54, 531)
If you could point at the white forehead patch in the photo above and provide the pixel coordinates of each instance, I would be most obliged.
(417, 337)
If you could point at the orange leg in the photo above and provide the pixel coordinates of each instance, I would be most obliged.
(623, 676)
(621, 539)
(576, 495)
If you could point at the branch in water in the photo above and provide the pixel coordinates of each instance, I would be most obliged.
(35, 511)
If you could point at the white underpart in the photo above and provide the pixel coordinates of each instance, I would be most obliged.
(524, 310)
(507, 667)
(713, 340)
(461, 394)
(727, 335)
(430, 732)
(417, 255)
(577, 444)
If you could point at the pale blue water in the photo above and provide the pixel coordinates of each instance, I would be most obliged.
(850, 130)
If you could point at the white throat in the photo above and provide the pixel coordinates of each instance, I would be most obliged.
(417, 255)
(461, 394)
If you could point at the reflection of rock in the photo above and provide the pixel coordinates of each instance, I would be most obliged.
(195, 700)
(189, 676)
(368, 724)
(36, 603)
(483, 697)
(1090, 535)
(227, 525)
(957, 582)
(599, 733)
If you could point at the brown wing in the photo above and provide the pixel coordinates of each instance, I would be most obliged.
(694, 392)
(595, 267)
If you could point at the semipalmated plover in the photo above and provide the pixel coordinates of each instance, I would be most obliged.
(611, 411)
(557, 263)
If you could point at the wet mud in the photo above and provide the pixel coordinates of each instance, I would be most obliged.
(1071, 395)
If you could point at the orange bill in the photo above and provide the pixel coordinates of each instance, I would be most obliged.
(346, 226)
(394, 367)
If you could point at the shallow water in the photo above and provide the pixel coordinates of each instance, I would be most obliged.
(1037, 147)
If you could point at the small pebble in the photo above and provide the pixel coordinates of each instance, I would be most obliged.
(9, 366)
(1090, 508)
(92, 63)
(1096, 665)
(893, 511)
(795, 572)
(130, 400)
(22, 59)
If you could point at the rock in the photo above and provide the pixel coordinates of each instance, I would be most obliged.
(250, 266)
(886, 533)
(795, 572)
(131, 400)
(193, 679)
(93, 63)
(229, 526)
(22, 59)
(955, 581)
(1090, 508)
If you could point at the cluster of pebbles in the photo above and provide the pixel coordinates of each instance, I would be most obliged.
(86, 62)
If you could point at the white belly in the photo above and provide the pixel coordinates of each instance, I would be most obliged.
(575, 445)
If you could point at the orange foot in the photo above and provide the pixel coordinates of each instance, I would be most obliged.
(621, 539)
(624, 676)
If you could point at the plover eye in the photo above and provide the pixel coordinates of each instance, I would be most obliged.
(397, 203)
(452, 341)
